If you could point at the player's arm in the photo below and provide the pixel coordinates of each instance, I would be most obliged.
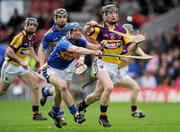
(130, 45)
(11, 54)
(83, 51)
(42, 55)
(33, 55)
(14, 45)
(42, 52)
(139, 51)
(93, 46)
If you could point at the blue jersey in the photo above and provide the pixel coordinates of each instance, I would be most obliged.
(60, 58)
(51, 38)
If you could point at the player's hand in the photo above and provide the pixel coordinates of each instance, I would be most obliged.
(79, 63)
(43, 67)
(92, 23)
(103, 42)
(37, 64)
(24, 64)
(98, 52)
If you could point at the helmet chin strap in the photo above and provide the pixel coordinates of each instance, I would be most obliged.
(111, 22)
(29, 33)
(60, 26)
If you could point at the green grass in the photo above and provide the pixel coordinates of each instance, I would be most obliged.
(15, 116)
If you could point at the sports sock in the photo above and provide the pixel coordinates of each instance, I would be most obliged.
(35, 109)
(133, 108)
(60, 113)
(82, 105)
(103, 109)
(55, 110)
(72, 109)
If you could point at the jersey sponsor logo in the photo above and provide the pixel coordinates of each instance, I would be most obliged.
(112, 45)
(67, 55)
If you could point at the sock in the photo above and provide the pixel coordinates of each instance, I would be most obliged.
(60, 113)
(72, 109)
(133, 108)
(82, 105)
(55, 110)
(47, 92)
(35, 109)
(103, 109)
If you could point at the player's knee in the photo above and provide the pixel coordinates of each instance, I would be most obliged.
(35, 89)
(3, 91)
(109, 88)
(63, 87)
(136, 89)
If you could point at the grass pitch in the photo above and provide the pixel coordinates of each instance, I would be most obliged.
(15, 116)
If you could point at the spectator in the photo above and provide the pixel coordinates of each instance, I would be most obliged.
(148, 80)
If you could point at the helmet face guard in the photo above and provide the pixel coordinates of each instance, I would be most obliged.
(107, 9)
(31, 19)
(60, 12)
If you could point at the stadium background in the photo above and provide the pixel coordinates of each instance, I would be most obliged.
(159, 77)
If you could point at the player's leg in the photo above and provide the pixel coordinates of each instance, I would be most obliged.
(45, 93)
(107, 84)
(66, 96)
(6, 78)
(29, 79)
(91, 98)
(55, 108)
(61, 112)
(130, 83)
(3, 87)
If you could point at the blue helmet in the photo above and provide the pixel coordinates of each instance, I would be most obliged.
(129, 27)
(71, 26)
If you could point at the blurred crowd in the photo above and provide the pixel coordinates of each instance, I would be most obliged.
(163, 69)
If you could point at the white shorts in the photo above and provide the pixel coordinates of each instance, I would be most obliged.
(66, 74)
(9, 71)
(116, 74)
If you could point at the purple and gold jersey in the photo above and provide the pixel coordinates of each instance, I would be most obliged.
(21, 45)
(115, 43)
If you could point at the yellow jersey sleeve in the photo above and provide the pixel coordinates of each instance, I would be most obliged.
(126, 40)
(17, 41)
(94, 34)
